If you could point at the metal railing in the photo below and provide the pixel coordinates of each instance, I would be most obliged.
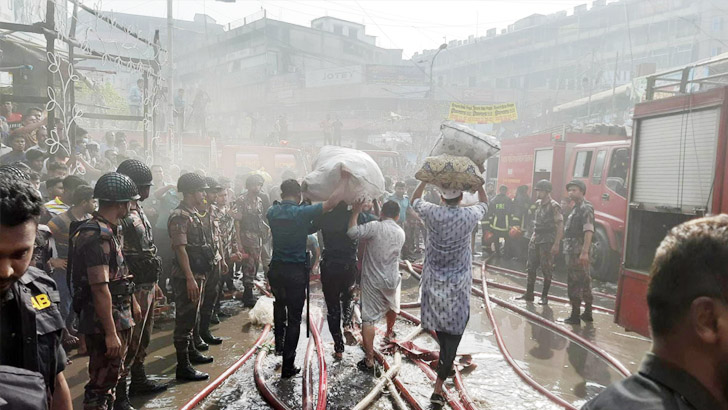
(691, 78)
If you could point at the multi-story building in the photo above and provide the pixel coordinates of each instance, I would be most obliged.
(266, 68)
(542, 61)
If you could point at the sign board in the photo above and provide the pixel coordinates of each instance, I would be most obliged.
(483, 114)
(334, 76)
(396, 74)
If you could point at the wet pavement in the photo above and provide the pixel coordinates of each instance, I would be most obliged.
(563, 366)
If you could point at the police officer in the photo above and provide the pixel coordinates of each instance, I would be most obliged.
(211, 223)
(30, 317)
(252, 230)
(548, 228)
(578, 232)
(499, 217)
(193, 261)
(103, 290)
(288, 275)
(145, 266)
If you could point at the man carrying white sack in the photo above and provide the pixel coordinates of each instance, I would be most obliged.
(380, 277)
(446, 274)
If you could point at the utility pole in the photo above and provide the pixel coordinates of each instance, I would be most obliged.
(50, 50)
(170, 84)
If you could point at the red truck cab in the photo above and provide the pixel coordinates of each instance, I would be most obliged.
(604, 168)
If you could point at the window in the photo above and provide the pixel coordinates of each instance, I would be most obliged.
(338, 29)
(583, 164)
(353, 33)
(717, 24)
(598, 167)
(618, 170)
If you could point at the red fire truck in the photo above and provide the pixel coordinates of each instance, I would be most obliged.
(678, 173)
(600, 160)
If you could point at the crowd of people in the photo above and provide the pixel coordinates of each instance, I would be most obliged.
(92, 238)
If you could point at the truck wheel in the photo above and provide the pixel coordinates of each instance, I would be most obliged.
(604, 260)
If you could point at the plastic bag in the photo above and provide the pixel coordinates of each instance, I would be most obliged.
(262, 312)
(366, 179)
(462, 141)
(451, 172)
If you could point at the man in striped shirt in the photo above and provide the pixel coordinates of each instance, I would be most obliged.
(60, 204)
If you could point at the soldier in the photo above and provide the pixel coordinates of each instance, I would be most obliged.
(578, 232)
(211, 222)
(230, 250)
(544, 244)
(499, 217)
(252, 230)
(103, 289)
(30, 318)
(193, 260)
(145, 266)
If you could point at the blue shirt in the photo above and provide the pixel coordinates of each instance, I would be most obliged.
(404, 204)
(289, 225)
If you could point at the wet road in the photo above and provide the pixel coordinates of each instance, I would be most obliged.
(564, 367)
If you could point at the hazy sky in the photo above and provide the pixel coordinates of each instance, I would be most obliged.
(412, 25)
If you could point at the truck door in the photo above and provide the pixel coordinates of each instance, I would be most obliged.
(596, 179)
(542, 164)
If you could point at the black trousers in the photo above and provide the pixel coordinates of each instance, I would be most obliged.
(337, 279)
(288, 284)
(448, 349)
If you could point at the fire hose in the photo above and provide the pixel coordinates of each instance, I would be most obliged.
(315, 341)
(507, 355)
(558, 329)
(230, 370)
(262, 386)
(553, 282)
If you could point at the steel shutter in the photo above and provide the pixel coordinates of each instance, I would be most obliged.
(675, 163)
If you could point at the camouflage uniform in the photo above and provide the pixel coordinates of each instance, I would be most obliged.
(229, 240)
(185, 228)
(145, 266)
(547, 218)
(97, 255)
(251, 229)
(579, 221)
(211, 223)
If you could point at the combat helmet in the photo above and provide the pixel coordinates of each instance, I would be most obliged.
(115, 187)
(544, 185)
(138, 171)
(577, 183)
(190, 183)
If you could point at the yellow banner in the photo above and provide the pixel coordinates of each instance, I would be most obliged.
(483, 114)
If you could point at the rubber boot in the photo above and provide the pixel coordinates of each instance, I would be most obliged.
(574, 319)
(205, 333)
(528, 296)
(545, 292)
(587, 315)
(198, 358)
(122, 399)
(249, 299)
(185, 371)
(199, 344)
(140, 383)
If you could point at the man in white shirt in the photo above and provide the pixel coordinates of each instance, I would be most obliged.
(380, 277)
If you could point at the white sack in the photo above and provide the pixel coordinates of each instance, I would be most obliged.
(366, 179)
(462, 141)
(262, 312)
